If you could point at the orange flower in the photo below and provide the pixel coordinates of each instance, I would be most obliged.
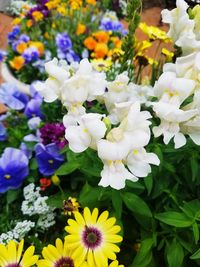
(75, 4)
(21, 47)
(29, 23)
(80, 29)
(44, 183)
(91, 2)
(101, 36)
(38, 45)
(90, 43)
(37, 15)
(17, 62)
(117, 42)
(101, 50)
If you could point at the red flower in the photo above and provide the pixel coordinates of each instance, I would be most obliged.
(44, 183)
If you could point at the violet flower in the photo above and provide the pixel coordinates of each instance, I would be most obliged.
(30, 54)
(3, 133)
(33, 108)
(13, 169)
(12, 97)
(48, 158)
(53, 133)
(3, 54)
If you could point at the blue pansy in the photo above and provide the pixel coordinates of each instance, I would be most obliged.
(3, 134)
(48, 158)
(13, 169)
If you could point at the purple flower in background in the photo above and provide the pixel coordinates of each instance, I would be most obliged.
(33, 108)
(12, 35)
(13, 169)
(34, 123)
(112, 25)
(53, 133)
(11, 97)
(48, 158)
(27, 151)
(63, 42)
(71, 56)
(42, 2)
(3, 134)
(3, 54)
(24, 38)
(41, 8)
(30, 54)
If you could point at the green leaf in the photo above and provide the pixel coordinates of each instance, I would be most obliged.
(117, 202)
(148, 183)
(144, 256)
(195, 229)
(56, 201)
(90, 196)
(12, 195)
(174, 218)
(192, 208)
(194, 167)
(175, 254)
(67, 168)
(196, 255)
(139, 209)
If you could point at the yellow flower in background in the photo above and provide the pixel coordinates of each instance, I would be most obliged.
(100, 51)
(62, 10)
(101, 36)
(37, 15)
(90, 43)
(16, 21)
(21, 47)
(11, 255)
(75, 4)
(116, 52)
(80, 28)
(141, 46)
(52, 4)
(117, 42)
(115, 264)
(101, 64)
(154, 33)
(47, 36)
(91, 2)
(92, 237)
(29, 23)
(38, 45)
(169, 55)
(59, 256)
(70, 206)
(17, 63)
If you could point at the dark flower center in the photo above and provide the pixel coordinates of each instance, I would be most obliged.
(92, 237)
(64, 262)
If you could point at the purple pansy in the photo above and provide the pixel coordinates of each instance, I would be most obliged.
(13, 169)
(12, 35)
(63, 42)
(10, 96)
(3, 133)
(111, 25)
(53, 133)
(33, 108)
(30, 54)
(48, 158)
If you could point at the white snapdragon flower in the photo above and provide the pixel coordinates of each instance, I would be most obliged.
(85, 85)
(192, 126)
(118, 91)
(181, 27)
(141, 93)
(138, 162)
(51, 88)
(171, 117)
(173, 90)
(87, 133)
(132, 133)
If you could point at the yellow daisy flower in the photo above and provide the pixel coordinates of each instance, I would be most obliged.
(93, 237)
(58, 256)
(115, 264)
(11, 255)
(101, 64)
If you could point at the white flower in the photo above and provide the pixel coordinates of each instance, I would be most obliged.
(118, 91)
(171, 116)
(138, 162)
(181, 27)
(85, 84)
(87, 133)
(51, 88)
(173, 90)
(132, 133)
